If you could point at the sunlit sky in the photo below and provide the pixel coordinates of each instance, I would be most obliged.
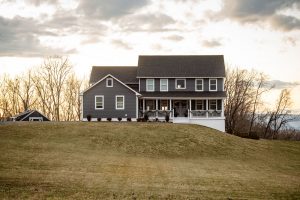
(251, 34)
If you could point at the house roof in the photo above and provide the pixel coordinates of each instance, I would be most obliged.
(182, 94)
(25, 114)
(125, 74)
(181, 66)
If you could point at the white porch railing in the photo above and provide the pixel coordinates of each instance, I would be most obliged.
(205, 113)
(160, 114)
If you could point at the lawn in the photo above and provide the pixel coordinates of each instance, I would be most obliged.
(120, 160)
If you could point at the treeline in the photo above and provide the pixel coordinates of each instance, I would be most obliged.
(52, 88)
(246, 113)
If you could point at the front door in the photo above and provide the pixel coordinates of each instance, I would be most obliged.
(180, 108)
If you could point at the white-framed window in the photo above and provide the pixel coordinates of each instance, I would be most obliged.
(109, 82)
(99, 102)
(120, 102)
(212, 104)
(180, 83)
(212, 84)
(149, 85)
(164, 104)
(199, 86)
(163, 85)
(200, 104)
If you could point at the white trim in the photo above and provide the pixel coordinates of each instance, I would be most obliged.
(216, 84)
(147, 90)
(193, 98)
(102, 102)
(116, 102)
(196, 84)
(179, 77)
(223, 84)
(33, 112)
(161, 85)
(176, 83)
(137, 107)
(202, 100)
(81, 107)
(113, 78)
(112, 82)
(33, 118)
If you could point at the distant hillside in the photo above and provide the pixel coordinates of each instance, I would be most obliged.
(107, 160)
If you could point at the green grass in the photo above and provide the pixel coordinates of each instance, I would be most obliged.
(105, 160)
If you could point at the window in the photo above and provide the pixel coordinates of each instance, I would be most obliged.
(212, 104)
(163, 84)
(180, 84)
(109, 82)
(150, 85)
(150, 104)
(199, 84)
(212, 84)
(99, 102)
(120, 102)
(200, 104)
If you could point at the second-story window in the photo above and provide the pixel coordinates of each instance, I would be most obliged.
(212, 84)
(180, 84)
(150, 85)
(109, 82)
(199, 84)
(163, 84)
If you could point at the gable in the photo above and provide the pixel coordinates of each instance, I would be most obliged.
(115, 79)
(181, 66)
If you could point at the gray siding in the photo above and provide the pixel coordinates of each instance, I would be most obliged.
(190, 84)
(109, 94)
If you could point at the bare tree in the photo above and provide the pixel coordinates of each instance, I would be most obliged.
(280, 116)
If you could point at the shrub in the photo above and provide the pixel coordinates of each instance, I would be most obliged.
(167, 118)
(108, 119)
(156, 119)
(251, 135)
(99, 119)
(129, 119)
(146, 117)
(89, 117)
(119, 119)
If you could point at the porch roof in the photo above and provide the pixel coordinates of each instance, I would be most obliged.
(220, 94)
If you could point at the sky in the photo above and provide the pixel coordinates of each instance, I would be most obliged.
(251, 34)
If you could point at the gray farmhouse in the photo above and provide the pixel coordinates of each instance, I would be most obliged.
(189, 89)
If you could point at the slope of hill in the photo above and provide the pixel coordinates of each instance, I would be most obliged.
(142, 160)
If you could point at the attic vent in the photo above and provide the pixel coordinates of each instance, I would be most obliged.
(109, 82)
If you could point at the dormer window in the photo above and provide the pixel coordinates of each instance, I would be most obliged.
(212, 84)
(109, 82)
(180, 84)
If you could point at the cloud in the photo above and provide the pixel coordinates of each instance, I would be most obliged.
(103, 9)
(257, 11)
(212, 43)
(150, 22)
(120, 44)
(20, 37)
(174, 37)
(282, 84)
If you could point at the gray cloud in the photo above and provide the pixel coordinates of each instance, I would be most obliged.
(121, 44)
(282, 84)
(174, 37)
(104, 9)
(257, 11)
(212, 43)
(151, 22)
(19, 36)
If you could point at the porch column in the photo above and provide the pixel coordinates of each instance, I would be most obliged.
(156, 108)
(170, 104)
(207, 108)
(222, 115)
(190, 108)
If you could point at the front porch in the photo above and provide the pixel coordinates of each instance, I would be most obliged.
(181, 109)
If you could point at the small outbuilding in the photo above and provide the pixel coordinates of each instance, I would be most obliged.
(30, 115)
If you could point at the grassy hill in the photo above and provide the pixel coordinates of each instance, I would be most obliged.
(105, 160)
